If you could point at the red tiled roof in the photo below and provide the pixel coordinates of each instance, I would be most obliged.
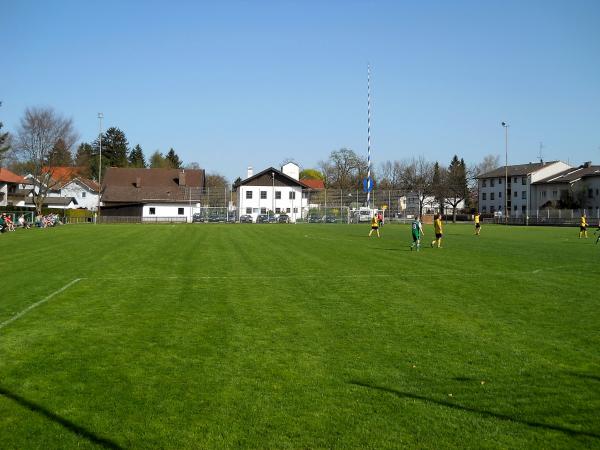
(63, 174)
(313, 184)
(9, 177)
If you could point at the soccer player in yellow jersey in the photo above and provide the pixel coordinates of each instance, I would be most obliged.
(597, 231)
(583, 226)
(374, 225)
(477, 224)
(437, 226)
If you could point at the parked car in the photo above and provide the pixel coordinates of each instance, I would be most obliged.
(262, 218)
(197, 217)
(314, 219)
(329, 219)
(283, 218)
(246, 218)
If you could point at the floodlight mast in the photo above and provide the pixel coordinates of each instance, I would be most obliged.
(100, 117)
(506, 212)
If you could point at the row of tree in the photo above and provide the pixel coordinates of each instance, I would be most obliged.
(45, 139)
(449, 185)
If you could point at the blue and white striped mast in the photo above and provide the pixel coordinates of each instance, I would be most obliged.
(369, 180)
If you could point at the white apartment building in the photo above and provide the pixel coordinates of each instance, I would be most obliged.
(518, 190)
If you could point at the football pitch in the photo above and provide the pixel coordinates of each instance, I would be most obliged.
(298, 336)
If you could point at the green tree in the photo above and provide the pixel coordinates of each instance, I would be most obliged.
(173, 160)
(114, 149)
(4, 143)
(311, 174)
(83, 159)
(456, 184)
(136, 157)
(438, 186)
(60, 155)
(158, 161)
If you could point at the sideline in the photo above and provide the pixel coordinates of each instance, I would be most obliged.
(35, 305)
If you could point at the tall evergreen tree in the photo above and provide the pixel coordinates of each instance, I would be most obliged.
(136, 157)
(114, 149)
(83, 159)
(173, 159)
(60, 155)
(457, 189)
(438, 186)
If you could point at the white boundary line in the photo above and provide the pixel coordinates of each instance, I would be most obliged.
(35, 305)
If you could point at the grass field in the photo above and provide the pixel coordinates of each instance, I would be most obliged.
(298, 336)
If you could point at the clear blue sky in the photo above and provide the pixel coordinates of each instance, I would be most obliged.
(235, 83)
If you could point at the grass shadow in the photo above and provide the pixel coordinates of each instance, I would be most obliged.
(585, 376)
(448, 404)
(72, 427)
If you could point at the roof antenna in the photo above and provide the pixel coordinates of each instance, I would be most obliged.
(540, 155)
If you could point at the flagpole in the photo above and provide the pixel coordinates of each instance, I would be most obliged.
(369, 182)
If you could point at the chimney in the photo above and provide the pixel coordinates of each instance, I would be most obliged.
(250, 172)
(138, 182)
(182, 178)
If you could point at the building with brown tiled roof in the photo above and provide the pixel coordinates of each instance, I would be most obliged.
(10, 192)
(152, 194)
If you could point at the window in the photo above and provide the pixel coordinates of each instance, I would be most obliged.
(515, 208)
(491, 196)
(277, 210)
(304, 194)
(288, 210)
(83, 195)
(554, 194)
(516, 194)
(152, 211)
(483, 196)
(499, 181)
(292, 195)
(590, 193)
(249, 195)
(543, 194)
(483, 209)
(263, 210)
(484, 183)
(295, 210)
(180, 211)
(277, 195)
(248, 210)
(596, 192)
(263, 195)
(523, 209)
(523, 181)
(500, 194)
(492, 182)
(492, 209)
(523, 195)
(499, 207)
(514, 179)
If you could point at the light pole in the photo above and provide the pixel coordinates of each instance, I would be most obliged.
(100, 117)
(506, 212)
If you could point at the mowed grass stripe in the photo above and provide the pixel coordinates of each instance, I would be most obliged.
(313, 360)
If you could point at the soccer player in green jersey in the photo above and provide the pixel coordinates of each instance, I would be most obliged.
(417, 232)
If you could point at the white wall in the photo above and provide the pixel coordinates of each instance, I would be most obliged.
(285, 205)
(3, 190)
(85, 197)
(163, 210)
